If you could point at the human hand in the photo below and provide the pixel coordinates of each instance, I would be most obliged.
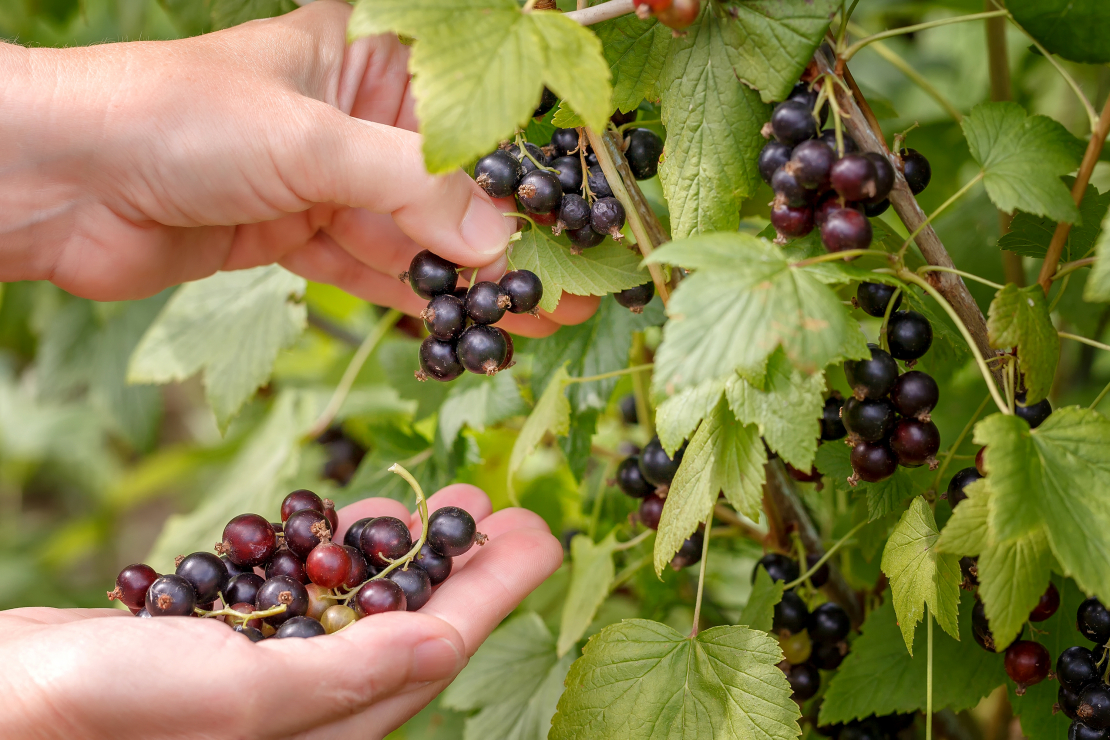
(87, 674)
(142, 165)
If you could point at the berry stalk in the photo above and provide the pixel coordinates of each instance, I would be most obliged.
(701, 572)
(824, 558)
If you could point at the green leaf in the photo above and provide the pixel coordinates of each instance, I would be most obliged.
(1030, 235)
(759, 612)
(787, 409)
(1022, 157)
(1097, 288)
(606, 268)
(255, 314)
(1019, 318)
(722, 456)
(967, 531)
(635, 50)
(551, 414)
(919, 575)
(833, 461)
(638, 680)
(678, 416)
(1012, 576)
(591, 577)
(566, 118)
(745, 302)
(477, 401)
(879, 677)
(1056, 476)
(515, 679)
(480, 66)
(713, 120)
(1074, 29)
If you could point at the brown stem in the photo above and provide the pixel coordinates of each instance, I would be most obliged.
(1086, 167)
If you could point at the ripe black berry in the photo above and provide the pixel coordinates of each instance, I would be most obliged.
(431, 275)
(620, 119)
(915, 394)
(774, 155)
(832, 427)
(874, 377)
(804, 680)
(525, 162)
(360, 569)
(485, 303)
(820, 576)
(303, 498)
(874, 297)
(233, 569)
(599, 186)
(498, 173)
(540, 192)
(416, 584)
(884, 180)
(206, 573)
(634, 299)
(170, 596)
(570, 173)
(1046, 606)
(607, 217)
(874, 210)
(981, 631)
(574, 212)
(300, 627)
(1034, 415)
(305, 530)
(1094, 706)
(657, 467)
(845, 228)
(803, 94)
(873, 461)
(379, 596)
(812, 162)
(1080, 731)
(644, 147)
(792, 122)
(523, 289)
(438, 567)
(251, 633)
(959, 482)
(829, 137)
(384, 540)
(585, 237)
(243, 588)
(828, 655)
(248, 540)
(282, 590)
(778, 566)
(482, 349)
(547, 101)
(132, 584)
(908, 334)
(829, 623)
(791, 614)
(916, 170)
(565, 141)
(650, 511)
(870, 419)
(444, 317)
(451, 531)
(788, 189)
(854, 177)
(631, 481)
(790, 221)
(354, 532)
(915, 442)
(1068, 702)
(629, 415)
(1076, 668)
(508, 361)
(1093, 621)
(438, 360)
(689, 552)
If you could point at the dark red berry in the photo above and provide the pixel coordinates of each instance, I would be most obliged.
(778, 566)
(485, 303)
(870, 419)
(916, 170)
(547, 101)
(482, 349)
(243, 588)
(382, 595)
(574, 213)
(508, 361)
(525, 162)
(811, 162)
(431, 275)
(827, 203)
(832, 426)
(915, 394)
(170, 596)
(659, 468)
(498, 173)
(789, 189)
(438, 360)
(829, 623)
(643, 149)
(959, 482)
(873, 461)
(804, 680)
(132, 584)
(565, 141)
(789, 221)
(282, 590)
(451, 531)
(872, 377)
(416, 584)
(844, 229)
(854, 178)
(444, 317)
(545, 219)
(914, 442)
(792, 122)
(301, 499)
(207, 574)
(774, 155)
(1094, 705)
(1035, 414)
(885, 177)
(634, 299)
(1077, 668)
(1093, 621)
(873, 298)
(540, 192)
(1046, 606)
(306, 529)
(804, 476)
(438, 567)
(359, 569)
(689, 552)
(679, 14)
(607, 217)
(328, 565)
(980, 462)
(300, 627)
(248, 540)
(791, 614)
(523, 288)
(650, 511)
(384, 540)
(569, 171)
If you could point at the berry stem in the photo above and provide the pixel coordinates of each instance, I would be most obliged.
(524, 149)
(961, 273)
(943, 206)
(883, 343)
(851, 50)
(525, 216)
(613, 374)
(1070, 267)
(824, 558)
(950, 455)
(640, 385)
(242, 617)
(701, 572)
(1084, 340)
(385, 323)
(1100, 396)
(634, 541)
(601, 12)
(929, 675)
(845, 17)
(800, 549)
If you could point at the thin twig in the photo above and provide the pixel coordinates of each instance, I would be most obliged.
(701, 572)
(825, 558)
(851, 50)
(914, 76)
(1084, 340)
(961, 273)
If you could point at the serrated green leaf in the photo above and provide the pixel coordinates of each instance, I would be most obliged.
(515, 679)
(759, 612)
(713, 120)
(787, 409)
(1012, 576)
(566, 118)
(919, 575)
(1019, 318)
(551, 414)
(1097, 289)
(723, 455)
(746, 302)
(879, 677)
(639, 680)
(606, 268)
(1030, 235)
(255, 313)
(678, 416)
(1056, 476)
(967, 531)
(1074, 29)
(1023, 157)
(477, 401)
(591, 577)
(833, 461)
(636, 50)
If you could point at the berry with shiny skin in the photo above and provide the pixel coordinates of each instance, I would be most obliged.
(430, 275)
(844, 229)
(451, 531)
(384, 540)
(207, 574)
(644, 147)
(382, 595)
(915, 394)
(811, 163)
(282, 590)
(909, 335)
(607, 217)
(1027, 663)
(792, 122)
(959, 482)
(790, 221)
(873, 461)
(599, 186)
(1093, 621)
(870, 419)
(778, 566)
(873, 298)
(438, 567)
(874, 210)
(1068, 702)
(679, 14)
(444, 317)
(1094, 706)
(804, 680)
(914, 442)
(1077, 668)
(248, 540)
(774, 155)
(634, 299)
(873, 377)
(525, 162)
(828, 655)
(251, 633)
(336, 617)
(916, 170)
(243, 588)
(658, 467)
(621, 119)
(306, 529)
(439, 360)
(523, 288)
(508, 361)
(884, 180)
(482, 349)
(791, 614)
(854, 178)
(629, 415)
(585, 237)
(233, 569)
(574, 212)
(416, 584)
(300, 499)
(1034, 414)
(498, 173)
(132, 584)
(829, 137)
(829, 623)
(1080, 731)
(689, 552)
(796, 648)
(300, 627)
(651, 510)
(1046, 605)
(354, 532)
(980, 462)
(485, 303)
(789, 190)
(328, 565)
(540, 192)
(359, 569)
(170, 596)
(631, 481)
(565, 141)
(832, 427)
(570, 173)
(827, 203)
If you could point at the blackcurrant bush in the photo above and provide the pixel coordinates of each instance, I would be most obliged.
(634, 299)
(303, 498)
(829, 137)
(874, 377)
(248, 540)
(354, 532)
(251, 633)
(207, 574)
(908, 334)
(485, 303)
(444, 317)
(599, 186)
(884, 180)
(282, 590)
(1093, 621)
(1035, 414)
(792, 122)
(430, 275)
(132, 584)
(540, 192)
(797, 648)
(959, 482)
(811, 163)
(1068, 702)
(1094, 706)
(170, 596)
(451, 531)
(328, 565)
(498, 173)
(300, 627)
(570, 173)
(416, 584)
(804, 680)
(1079, 731)
(482, 349)
(658, 468)
(243, 588)
(790, 221)
(789, 190)
(379, 596)
(689, 552)
(915, 442)
(565, 141)
(874, 210)
(548, 100)
(873, 461)
(525, 162)
(438, 567)
(869, 419)
(774, 155)
(915, 394)
(828, 655)
(643, 149)
(631, 481)
(360, 569)
(651, 510)
(384, 540)
(1046, 605)
(873, 298)
(820, 576)
(829, 623)
(791, 614)
(438, 360)
(574, 213)
(832, 427)
(629, 415)
(854, 177)
(523, 289)
(306, 529)
(778, 566)
(1076, 668)
(916, 170)
(607, 217)
(844, 229)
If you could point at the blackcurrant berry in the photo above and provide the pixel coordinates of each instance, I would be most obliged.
(282, 590)
(854, 178)
(444, 317)
(820, 576)
(844, 229)
(251, 633)
(916, 170)
(1094, 706)
(570, 173)
(498, 173)
(547, 101)
(874, 210)
(631, 481)
(300, 627)
(243, 588)
(170, 596)
(980, 462)
(248, 540)
(1076, 668)
(1080, 731)
(811, 162)
(873, 461)
(643, 149)
(908, 334)
(790, 221)
(874, 377)
(885, 177)
(438, 360)
(416, 584)
(354, 532)
(774, 155)
(629, 414)
(915, 394)
(689, 552)
(1093, 621)
(330, 513)
(303, 498)
(384, 540)
(915, 442)
(1035, 414)
(789, 190)
(306, 529)
(792, 122)
(829, 137)
(328, 565)
(981, 631)
(1028, 663)
(832, 427)
(1046, 606)
(803, 94)
(438, 567)
(485, 303)
(599, 186)
(634, 299)
(870, 419)
(959, 482)
(430, 275)
(607, 217)
(651, 511)
(804, 680)
(574, 213)
(797, 648)
(778, 566)
(658, 468)
(360, 569)
(451, 531)
(233, 569)
(892, 724)
(546, 219)
(829, 623)
(523, 289)
(1068, 702)
(540, 192)
(482, 349)
(828, 656)
(791, 614)
(508, 361)
(527, 164)
(382, 595)
(584, 238)
(828, 202)
(565, 141)
(132, 584)
(207, 574)
(621, 119)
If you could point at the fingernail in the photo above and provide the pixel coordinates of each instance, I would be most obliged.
(435, 659)
(483, 227)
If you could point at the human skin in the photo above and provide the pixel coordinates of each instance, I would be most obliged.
(92, 674)
(128, 168)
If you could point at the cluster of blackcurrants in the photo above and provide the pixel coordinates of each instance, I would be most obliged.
(289, 579)
(818, 184)
(458, 319)
(1084, 696)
